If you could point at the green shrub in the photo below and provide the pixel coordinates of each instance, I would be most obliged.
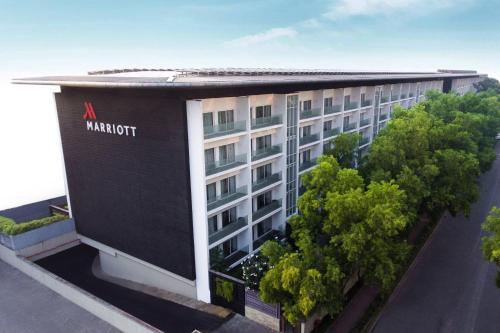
(224, 288)
(9, 227)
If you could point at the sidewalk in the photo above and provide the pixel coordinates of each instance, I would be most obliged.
(28, 306)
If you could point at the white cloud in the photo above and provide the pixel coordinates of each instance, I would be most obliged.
(347, 8)
(265, 36)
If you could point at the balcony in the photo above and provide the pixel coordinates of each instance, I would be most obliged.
(215, 131)
(226, 198)
(394, 97)
(232, 227)
(236, 256)
(308, 139)
(403, 96)
(384, 99)
(366, 103)
(349, 127)
(227, 164)
(306, 114)
(270, 235)
(411, 95)
(333, 109)
(382, 117)
(364, 122)
(331, 132)
(259, 154)
(350, 106)
(265, 182)
(363, 141)
(266, 121)
(307, 164)
(263, 211)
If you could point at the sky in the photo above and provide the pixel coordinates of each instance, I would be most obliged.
(72, 37)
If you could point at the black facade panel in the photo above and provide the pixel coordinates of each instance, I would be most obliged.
(447, 85)
(130, 193)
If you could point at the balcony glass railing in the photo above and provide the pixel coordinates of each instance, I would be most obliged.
(333, 109)
(382, 117)
(265, 182)
(266, 152)
(363, 141)
(411, 95)
(263, 211)
(270, 235)
(364, 122)
(331, 132)
(214, 131)
(307, 164)
(403, 96)
(223, 165)
(350, 106)
(230, 228)
(308, 139)
(226, 198)
(305, 114)
(236, 256)
(394, 97)
(384, 99)
(349, 127)
(366, 103)
(266, 121)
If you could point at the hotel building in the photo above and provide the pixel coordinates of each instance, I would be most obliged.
(166, 167)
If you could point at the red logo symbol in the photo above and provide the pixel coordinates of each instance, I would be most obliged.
(89, 111)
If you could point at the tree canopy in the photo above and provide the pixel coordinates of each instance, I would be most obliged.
(343, 229)
(345, 148)
(491, 243)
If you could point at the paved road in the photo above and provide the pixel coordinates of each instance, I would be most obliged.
(74, 265)
(450, 288)
(27, 306)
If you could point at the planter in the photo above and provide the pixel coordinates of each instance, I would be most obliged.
(36, 236)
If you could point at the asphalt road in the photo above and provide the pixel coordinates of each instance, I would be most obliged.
(450, 288)
(27, 306)
(74, 265)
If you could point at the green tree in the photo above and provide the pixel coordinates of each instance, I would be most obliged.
(488, 84)
(343, 229)
(345, 148)
(491, 243)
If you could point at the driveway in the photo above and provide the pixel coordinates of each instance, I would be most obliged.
(27, 306)
(450, 288)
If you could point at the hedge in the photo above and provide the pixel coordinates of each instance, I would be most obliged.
(9, 227)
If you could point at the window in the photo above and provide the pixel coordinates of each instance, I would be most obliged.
(262, 228)
(228, 185)
(347, 99)
(209, 156)
(306, 130)
(263, 142)
(346, 121)
(263, 111)
(228, 216)
(327, 125)
(225, 117)
(230, 246)
(211, 192)
(226, 153)
(208, 119)
(306, 105)
(212, 224)
(328, 102)
(263, 172)
(363, 97)
(306, 155)
(264, 200)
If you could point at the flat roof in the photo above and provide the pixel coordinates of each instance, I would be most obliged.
(231, 77)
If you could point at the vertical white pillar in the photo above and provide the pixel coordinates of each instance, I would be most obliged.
(198, 197)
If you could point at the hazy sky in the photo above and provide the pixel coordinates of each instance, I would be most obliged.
(72, 37)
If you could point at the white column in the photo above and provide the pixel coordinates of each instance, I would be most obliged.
(198, 197)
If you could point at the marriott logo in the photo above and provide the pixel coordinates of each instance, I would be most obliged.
(108, 128)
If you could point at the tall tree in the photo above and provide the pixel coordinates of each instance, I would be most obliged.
(345, 149)
(343, 229)
(491, 242)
